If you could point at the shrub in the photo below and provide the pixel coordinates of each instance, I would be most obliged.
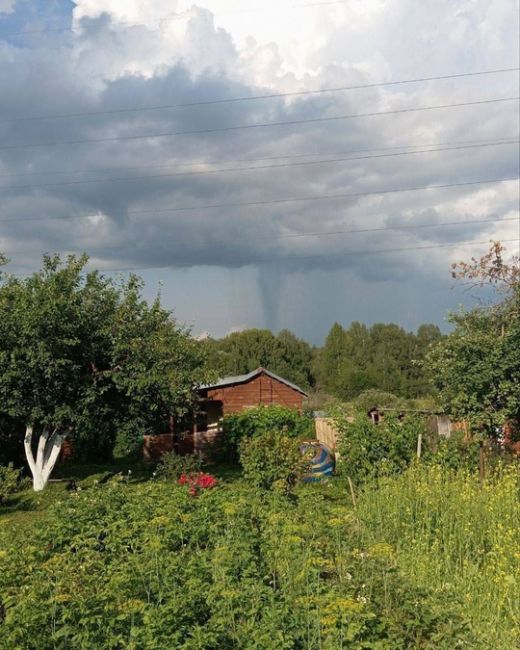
(9, 477)
(273, 461)
(374, 398)
(172, 466)
(264, 419)
(458, 451)
(370, 450)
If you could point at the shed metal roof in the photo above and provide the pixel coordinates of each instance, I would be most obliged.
(242, 379)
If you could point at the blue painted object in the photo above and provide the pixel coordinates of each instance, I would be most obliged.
(322, 463)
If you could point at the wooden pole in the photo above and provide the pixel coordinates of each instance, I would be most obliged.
(352, 493)
(481, 464)
(419, 446)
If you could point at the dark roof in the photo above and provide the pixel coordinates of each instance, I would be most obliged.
(242, 379)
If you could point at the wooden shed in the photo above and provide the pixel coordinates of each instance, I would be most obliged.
(234, 394)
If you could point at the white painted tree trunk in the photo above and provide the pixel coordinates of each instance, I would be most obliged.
(49, 446)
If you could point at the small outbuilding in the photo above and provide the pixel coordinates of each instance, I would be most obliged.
(225, 397)
(234, 394)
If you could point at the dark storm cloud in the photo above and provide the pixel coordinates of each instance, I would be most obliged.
(139, 223)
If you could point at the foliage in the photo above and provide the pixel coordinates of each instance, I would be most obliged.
(243, 352)
(11, 441)
(172, 466)
(351, 361)
(459, 451)
(264, 419)
(147, 566)
(477, 367)
(383, 356)
(456, 537)
(82, 355)
(374, 398)
(9, 477)
(273, 461)
(370, 450)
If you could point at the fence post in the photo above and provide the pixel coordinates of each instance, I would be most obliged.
(419, 446)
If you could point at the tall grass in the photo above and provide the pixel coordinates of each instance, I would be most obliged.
(453, 536)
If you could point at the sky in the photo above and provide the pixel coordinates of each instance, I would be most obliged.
(243, 157)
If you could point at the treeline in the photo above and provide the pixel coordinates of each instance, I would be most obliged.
(351, 361)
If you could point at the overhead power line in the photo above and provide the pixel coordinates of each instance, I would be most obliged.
(253, 168)
(228, 129)
(328, 233)
(410, 248)
(327, 254)
(223, 100)
(379, 251)
(442, 224)
(313, 154)
(303, 199)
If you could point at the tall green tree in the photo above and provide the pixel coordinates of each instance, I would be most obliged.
(81, 355)
(477, 367)
(383, 356)
(242, 352)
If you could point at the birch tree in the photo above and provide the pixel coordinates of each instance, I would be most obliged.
(76, 345)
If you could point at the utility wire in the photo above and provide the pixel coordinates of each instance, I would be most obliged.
(410, 248)
(379, 251)
(388, 228)
(303, 199)
(327, 233)
(297, 93)
(246, 169)
(314, 154)
(296, 258)
(228, 129)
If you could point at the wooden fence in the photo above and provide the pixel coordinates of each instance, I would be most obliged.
(326, 433)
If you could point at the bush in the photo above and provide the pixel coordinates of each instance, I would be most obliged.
(374, 398)
(458, 451)
(273, 461)
(9, 477)
(264, 419)
(371, 450)
(172, 466)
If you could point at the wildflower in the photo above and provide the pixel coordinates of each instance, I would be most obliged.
(197, 482)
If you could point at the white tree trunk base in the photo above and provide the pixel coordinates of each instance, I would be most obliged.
(49, 447)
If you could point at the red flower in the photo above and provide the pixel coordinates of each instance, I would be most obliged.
(197, 482)
(206, 481)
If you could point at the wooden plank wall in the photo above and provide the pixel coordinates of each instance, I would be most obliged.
(326, 433)
(260, 390)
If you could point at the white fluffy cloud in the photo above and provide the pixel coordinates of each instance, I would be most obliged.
(7, 6)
